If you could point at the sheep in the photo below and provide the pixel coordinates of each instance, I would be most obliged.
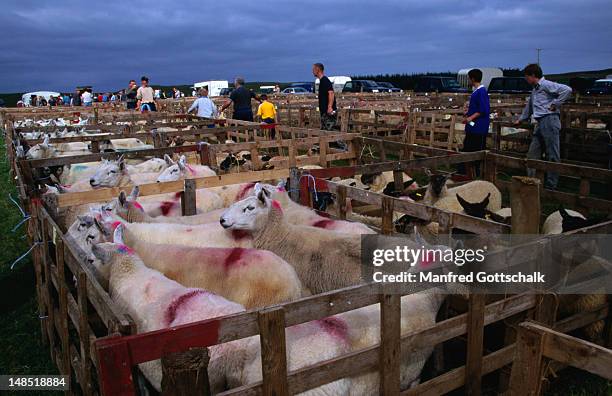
(253, 278)
(42, 150)
(202, 235)
(133, 212)
(181, 170)
(474, 191)
(156, 302)
(418, 312)
(302, 215)
(149, 166)
(565, 220)
(324, 260)
(379, 181)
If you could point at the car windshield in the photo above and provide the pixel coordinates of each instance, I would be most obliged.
(450, 83)
(385, 84)
(369, 83)
(601, 84)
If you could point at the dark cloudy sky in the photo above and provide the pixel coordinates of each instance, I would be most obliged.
(59, 44)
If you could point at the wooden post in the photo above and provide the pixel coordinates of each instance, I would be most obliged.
(84, 333)
(188, 198)
(294, 184)
(490, 167)
(50, 319)
(398, 180)
(273, 351)
(205, 158)
(525, 204)
(35, 237)
(390, 349)
(186, 373)
(527, 366)
(387, 215)
(475, 336)
(323, 143)
(341, 198)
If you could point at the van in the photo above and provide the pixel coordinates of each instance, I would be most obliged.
(509, 85)
(438, 84)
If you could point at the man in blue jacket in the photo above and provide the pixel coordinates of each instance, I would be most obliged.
(477, 116)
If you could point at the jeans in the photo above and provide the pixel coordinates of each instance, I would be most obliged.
(546, 141)
(243, 115)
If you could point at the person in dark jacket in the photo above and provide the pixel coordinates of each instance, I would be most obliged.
(241, 98)
(130, 95)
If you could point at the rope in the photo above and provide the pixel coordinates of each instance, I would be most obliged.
(25, 254)
(24, 215)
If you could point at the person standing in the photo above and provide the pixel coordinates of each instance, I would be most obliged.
(130, 95)
(145, 96)
(204, 105)
(267, 114)
(327, 99)
(86, 98)
(476, 117)
(544, 105)
(241, 98)
(76, 98)
(277, 89)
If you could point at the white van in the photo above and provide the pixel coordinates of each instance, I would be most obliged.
(214, 87)
(337, 81)
(25, 98)
(488, 73)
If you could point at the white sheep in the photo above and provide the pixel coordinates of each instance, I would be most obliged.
(324, 260)
(156, 302)
(182, 170)
(42, 150)
(251, 277)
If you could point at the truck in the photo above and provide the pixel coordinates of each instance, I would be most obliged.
(488, 73)
(214, 86)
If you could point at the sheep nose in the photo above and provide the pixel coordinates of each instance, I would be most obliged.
(92, 181)
(223, 222)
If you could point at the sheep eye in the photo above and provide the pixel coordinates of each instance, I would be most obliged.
(353, 184)
(248, 208)
(113, 171)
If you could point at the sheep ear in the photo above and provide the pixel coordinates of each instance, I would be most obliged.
(418, 238)
(266, 158)
(135, 192)
(408, 183)
(122, 198)
(45, 143)
(428, 172)
(121, 162)
(118, 235)
(464, 204)
(182, 162)
(168, 160)
(263, 196)
(101, 227)
(564, 213)
(485, 202)
(88, 220)
(101, 254)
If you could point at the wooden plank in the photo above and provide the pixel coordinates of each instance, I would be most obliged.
(390, 351)
(387, 215)
(84, 334)
(525, 376)
(185, 374)
(273, 351)
(475, 337)
(188, 198)
(525, 204)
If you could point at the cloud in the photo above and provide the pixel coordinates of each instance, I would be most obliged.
(58, 45)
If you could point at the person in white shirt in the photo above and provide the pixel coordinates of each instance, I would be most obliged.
(145, 96)
(86, 98)
(204, 105)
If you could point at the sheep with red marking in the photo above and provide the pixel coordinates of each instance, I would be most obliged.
(182, 170)
(156, 302)
(251, 277)
(324, 260)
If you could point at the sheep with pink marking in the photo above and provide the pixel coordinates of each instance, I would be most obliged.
(253, 278)
(156, 302)
(182, 170)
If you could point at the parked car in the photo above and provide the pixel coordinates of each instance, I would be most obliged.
(509, 85)
(387, 86)
(295, 90)
(308, 86)
(438, 84)
(226, 91)
(361, 86)
(601, 87)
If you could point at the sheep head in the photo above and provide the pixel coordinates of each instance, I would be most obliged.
(42, 150)
(253, 213)
(128, 208)
(109, 173)
(570, 223)
(175, 170)
(437, 181)
(477, 209)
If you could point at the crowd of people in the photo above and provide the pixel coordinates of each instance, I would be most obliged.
(543, 108)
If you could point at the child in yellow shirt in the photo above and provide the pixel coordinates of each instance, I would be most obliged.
(267, 113)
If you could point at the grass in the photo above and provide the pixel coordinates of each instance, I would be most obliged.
(21, 350)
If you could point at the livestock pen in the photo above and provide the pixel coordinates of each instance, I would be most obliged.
(89, 337)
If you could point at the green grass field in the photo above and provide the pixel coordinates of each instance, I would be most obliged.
(21, 350)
